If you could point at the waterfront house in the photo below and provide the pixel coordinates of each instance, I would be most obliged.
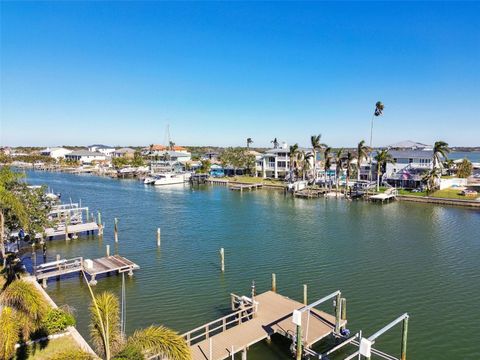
(275, 163)
(127, 153)
(55, 152)
(85, 156)
(104, 149)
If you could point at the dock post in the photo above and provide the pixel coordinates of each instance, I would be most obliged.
(343, 305)
(108, 250)
(337, 313)
(222, 259)
(44, 283)
(158, 237)
(99, 221)
(244, 354)
(305, 302)
(86, 215)
(299, 342)
(274, 282)
(116, 230)
(403, 354)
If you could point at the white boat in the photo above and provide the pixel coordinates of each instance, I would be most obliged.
(168, 179)
(149, 180)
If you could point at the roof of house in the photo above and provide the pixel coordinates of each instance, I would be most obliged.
(49, 149)
(408, 144)
(410, 153)
(85, 153)
(100, 146)
(163, 147)
(125, 150)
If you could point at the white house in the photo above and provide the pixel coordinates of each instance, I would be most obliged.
(173, 156)
(104, 149)
(85, 157)
(55, 152)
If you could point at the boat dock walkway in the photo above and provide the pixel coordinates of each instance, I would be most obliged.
(114, 263)
(389, 194)
(241, 187)
(309, 193)
(270, 313)
(71, 230)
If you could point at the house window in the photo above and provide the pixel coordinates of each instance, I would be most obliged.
(410, 160)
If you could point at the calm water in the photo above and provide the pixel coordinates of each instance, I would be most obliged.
(400, 257)
(472, 156)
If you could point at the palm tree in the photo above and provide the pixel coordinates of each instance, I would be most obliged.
(171, 145)
(305, 159)
(105, 324)
(362, 154)
(316, 145)
(379, 108)
(449, 164)
(155, 340)
(9, 201)
(440, 150)
(382, 158)
(249, 141)
(338, 158)
(431, 178)
(275, 143)
(327, 162)
(292, 154)
(349, 159)
(10, 330)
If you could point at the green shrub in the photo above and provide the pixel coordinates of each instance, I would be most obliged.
(129, 352)
(57, 320)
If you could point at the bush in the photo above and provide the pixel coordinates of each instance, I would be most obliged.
(57, 320)
(129, 352)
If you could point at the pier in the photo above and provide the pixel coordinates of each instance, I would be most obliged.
(255, 320)
(389, 194)
(115, 263)
(241, 187)
(309, 193)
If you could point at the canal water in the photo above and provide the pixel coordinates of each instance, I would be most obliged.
(402, 257)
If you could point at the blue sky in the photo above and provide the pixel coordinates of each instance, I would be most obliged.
(118, 72)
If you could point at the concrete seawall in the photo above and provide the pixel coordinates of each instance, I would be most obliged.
(443, 201)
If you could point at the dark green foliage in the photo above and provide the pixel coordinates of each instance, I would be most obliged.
(57, 320)
(130, 352)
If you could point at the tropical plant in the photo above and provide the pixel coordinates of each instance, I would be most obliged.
(316, 145)
(338, 158)
(9, 335)
(440, 151)
(305, 158)
(362, 154)
(383, 157)
(379, 107)
(204, 166)
(137, 160)
(155, 340)
(293, 155)
(349, 160)
(449, 164)
(431, 179)
(464, 169)
(105, 324)
(249, 141)
(171, 145)
(275, 143)
(327, 162)
(57, 320)
(72, 354)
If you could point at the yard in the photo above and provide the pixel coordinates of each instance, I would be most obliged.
(256, 180)
(47, 350)
(450, 193)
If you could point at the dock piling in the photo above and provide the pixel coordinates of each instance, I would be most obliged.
(274, 282)
(337, 312)
(116, 230)
(99, 221)
(403, 354)
(158, 237)
(108, 250)
(343, 305)
(222, 259)
(305, 298)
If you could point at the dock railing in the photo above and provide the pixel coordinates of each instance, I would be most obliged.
(222, 324)
(59, 267)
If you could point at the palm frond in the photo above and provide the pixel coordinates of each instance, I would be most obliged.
(9, 335)
(161, 341)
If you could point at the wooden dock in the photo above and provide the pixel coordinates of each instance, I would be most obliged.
(389, 194)
(115, 263)
(69, 231)
(269, 314)
(241, 187)
(309, 193)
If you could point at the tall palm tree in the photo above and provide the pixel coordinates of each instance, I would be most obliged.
(9, 201)
(382, 158)
(338, 158)
(440, 151)
(316, 145)
(275, 143)
(362, 154)
(431, 179)
(327, 161)
(249, 141)
(293, 154)
(449, 164)
(349, 159)
(305, 160)
(379, 107)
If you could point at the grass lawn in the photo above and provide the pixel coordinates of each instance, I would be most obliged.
(256, 180)
(445, 194)
(46, 350)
